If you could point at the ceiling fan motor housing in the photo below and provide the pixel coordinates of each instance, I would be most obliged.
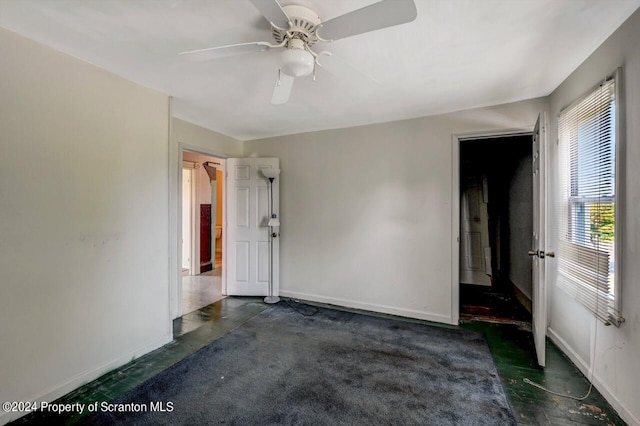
(296, 60)
(304, 23)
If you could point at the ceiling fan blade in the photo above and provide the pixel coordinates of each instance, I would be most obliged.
(272, 12)
(229, 50)
(385, 13)
(282, 90)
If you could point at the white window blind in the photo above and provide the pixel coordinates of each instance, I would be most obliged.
(586, 253)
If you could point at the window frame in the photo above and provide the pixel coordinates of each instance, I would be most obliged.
(619, 186)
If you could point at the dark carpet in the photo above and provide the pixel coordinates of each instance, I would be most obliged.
(332, 368)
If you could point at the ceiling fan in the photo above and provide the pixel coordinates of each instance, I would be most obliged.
(297, 28)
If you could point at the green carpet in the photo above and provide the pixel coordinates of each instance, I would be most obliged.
(332, 368)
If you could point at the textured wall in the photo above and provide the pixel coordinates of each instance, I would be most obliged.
(83, 220)
(616, 350)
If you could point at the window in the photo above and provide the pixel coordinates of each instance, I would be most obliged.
(589, 229)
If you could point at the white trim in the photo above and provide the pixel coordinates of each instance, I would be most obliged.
(409, 313)
(456, 138)
(175, 285)
(195, 217)
(599, 384)
(62, 389)
(495, 134)
(620, 195)
(455, 229)
(200, 150)
(196, 221)
(223, 240)
(169, 324)
(194, 264)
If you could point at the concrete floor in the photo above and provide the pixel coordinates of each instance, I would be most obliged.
(511, 346)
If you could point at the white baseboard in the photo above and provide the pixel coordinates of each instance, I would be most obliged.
(585, 368)
(88, 376)
(410, 313)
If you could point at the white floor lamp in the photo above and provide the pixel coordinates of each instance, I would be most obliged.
(271, 174)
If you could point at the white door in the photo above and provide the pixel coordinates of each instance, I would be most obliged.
(539, 302)
(247, 238)
(475, 253)
(186, 219)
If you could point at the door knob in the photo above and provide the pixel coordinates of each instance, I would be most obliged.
(541, 254)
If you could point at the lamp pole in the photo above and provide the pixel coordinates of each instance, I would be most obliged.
(271, 299)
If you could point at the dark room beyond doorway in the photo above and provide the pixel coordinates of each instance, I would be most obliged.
(496, 220)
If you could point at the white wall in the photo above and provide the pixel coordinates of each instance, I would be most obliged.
(366, 211)
(617, 350)
(188, 136)
(83, 221)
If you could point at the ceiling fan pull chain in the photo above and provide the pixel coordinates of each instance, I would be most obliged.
(279, 72)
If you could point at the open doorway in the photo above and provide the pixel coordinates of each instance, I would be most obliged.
(496, 222)
(202, 230)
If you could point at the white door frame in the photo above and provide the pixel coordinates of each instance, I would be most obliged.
(194, 202)
(175, 278)
(455, 205)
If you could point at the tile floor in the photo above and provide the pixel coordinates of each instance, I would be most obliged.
(201, 290)
(511, 346)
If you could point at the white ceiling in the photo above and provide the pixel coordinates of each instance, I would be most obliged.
(457, 54)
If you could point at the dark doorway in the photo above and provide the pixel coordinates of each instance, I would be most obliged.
(500, 290)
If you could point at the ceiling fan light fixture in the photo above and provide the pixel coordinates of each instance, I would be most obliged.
(296, 28)
(297, 62)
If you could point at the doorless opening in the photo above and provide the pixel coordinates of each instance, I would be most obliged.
(496, 218)
(201, 223)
